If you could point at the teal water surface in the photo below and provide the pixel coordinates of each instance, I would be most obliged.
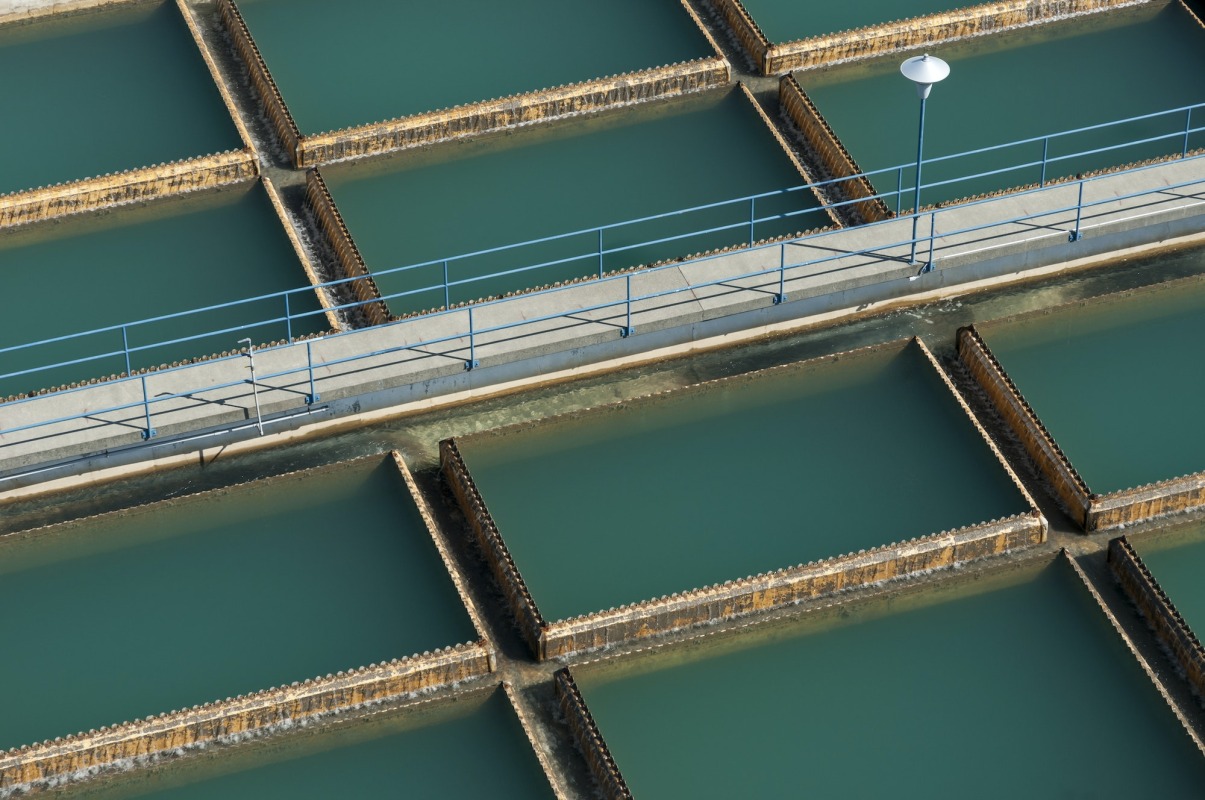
(469, 748)
(171, 605)
(103, 92)
(569, 177)
(1115, 381)
(1024, 691)
(82, 274)
(382, 59)
(740, 478)
(1180, 569)
(788, 20)
(1028, 83)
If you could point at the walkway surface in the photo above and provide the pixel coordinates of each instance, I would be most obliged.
(529, 336)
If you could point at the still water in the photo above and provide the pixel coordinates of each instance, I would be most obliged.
(1007, 690)
(556, 179)
(1116, 381)
(366, 61)
(195, 600)
(736, 479)
(114, 90)
(472, 747)
(139, 263)
(1032, 82)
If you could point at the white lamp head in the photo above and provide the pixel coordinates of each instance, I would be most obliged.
(925, 71)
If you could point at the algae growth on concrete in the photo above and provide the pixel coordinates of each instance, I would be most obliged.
(195, 600)
(561, 178)
(365, 61)
(1031, 82)
(471, 747)
(1178, 562)
(105, 91)
(737, 478)
(85, 273)
(1009, 690)
(1116, 381)
(789, 20)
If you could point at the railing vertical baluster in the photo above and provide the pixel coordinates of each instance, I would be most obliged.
(932, 236)
(899, 189)
(781, 297)
(600, 253)
(288, 320)
(628, 330)
(447, 288)
(752, 218)
(1045, 155)
(312, 397)
(1076, 235)
(472, 362)
(125, 344)
(148, 431)
(1187, 129)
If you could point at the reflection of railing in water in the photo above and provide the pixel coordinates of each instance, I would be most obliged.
(115, 353)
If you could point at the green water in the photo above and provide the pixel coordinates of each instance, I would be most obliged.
(1021, 691)
(468, 748)
(1179, 569)
(788, 20)
(156, 609)
(540, 182)
(114, 90)
(1019, 85)
(742, 478)
(375, 60)
(136, 264)
(1116, 382)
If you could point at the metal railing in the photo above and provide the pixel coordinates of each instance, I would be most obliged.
(463, 344)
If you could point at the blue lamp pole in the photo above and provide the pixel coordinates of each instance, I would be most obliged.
(924, 71)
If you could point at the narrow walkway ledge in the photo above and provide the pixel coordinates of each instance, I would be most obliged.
(774, 286)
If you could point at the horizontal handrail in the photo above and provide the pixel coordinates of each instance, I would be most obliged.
(599, 253)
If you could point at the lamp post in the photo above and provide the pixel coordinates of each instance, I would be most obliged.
(924, 71)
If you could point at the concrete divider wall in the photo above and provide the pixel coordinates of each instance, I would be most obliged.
(493, 548)
(124, 188)
(1069, 488)
(350, 261)
(891, 37)
(1144, 502)
(245, 715)
(1170, 628)
(507, 112)
(827, 148)
(261, 78)
(1193, 13)
(24, 13)
(786, 587)
(745, 30)
(589, 740)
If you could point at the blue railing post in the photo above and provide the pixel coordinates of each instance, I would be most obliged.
(1187, 130)
(1076, 235)
(148, 431)
(899, 189)
(288, 320)
(781, 297)
(472, 362)
(312, 397)
(752, 218)
(628, 330)
(600, 253)
(932, 236)
(125, 344)
(447, 288)
(1045, 155)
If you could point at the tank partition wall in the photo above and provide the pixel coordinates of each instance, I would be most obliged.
(417, 129)
(351, 264)
(949, 665)
(1091, 509)
(798, 109)
(1160, 613)
(828, 47)
(587, 738)
(300, 703)
(757, 593)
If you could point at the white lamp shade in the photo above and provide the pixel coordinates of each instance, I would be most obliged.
(925, 71)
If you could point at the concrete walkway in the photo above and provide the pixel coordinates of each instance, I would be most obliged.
(424, 360)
